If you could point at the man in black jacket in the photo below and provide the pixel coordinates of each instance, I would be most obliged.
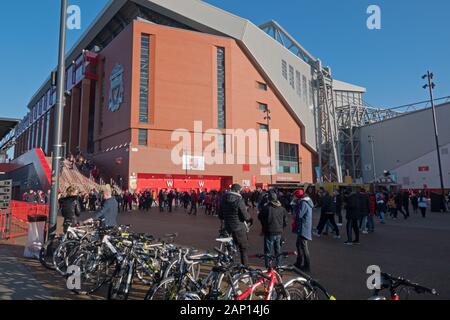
(328, 211)
(352, 216)
(235, 216)
(273, 219)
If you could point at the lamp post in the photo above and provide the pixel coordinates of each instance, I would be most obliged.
(268, 118)
(57, 155)
(431, 85)
(372, 143)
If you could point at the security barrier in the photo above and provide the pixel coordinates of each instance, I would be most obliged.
(14, 221)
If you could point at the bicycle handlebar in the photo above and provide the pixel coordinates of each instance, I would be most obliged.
(400, 281)
(272, 257)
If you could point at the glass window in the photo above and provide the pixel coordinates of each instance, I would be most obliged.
(298, 83)
(221, 93)
(47, 134)
(287, 157)
(143, 137)
(221, 142)
(145, 77)
(263, 106)
(291, 77)
(262, 86)
(263, 127)
(305, 89)
(284, 69)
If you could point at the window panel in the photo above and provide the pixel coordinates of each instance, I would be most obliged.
(144, 80)
(284, 71)
(262, 86)
(143, 137)
(291, 77)
(298, 83)
(221, 93)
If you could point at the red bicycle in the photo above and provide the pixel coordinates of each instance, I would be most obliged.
(261, 285)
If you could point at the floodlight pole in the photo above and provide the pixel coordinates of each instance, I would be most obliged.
(57, 155)
(431, 86)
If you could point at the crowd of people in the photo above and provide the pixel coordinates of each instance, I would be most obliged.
(277, 210)
(84, 165)
(37, 197)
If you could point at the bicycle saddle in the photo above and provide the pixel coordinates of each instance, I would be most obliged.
(224, 240)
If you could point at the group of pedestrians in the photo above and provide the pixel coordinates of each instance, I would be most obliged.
(362, 209)
(37, 197)
(274, 218)
(71, 210)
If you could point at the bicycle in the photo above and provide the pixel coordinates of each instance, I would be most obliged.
(396, 285)
(264, 285)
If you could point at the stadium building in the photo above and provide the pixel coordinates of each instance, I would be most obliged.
(405, 146)
(146, 69)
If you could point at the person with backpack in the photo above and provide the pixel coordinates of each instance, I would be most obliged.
(273, 218)
(302, 227)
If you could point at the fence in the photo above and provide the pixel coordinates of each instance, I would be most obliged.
(14, 221)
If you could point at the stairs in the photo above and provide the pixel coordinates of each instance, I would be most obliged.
(73, 177)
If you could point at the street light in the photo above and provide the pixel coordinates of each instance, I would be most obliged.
(268, 118)
(372, 142)
(431, 85)
(57, 155)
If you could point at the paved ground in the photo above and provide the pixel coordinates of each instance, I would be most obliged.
(417, 249)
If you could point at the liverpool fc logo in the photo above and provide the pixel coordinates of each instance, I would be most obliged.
(116, 88)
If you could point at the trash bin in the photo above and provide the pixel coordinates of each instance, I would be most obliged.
(437, 202)
(36, 236)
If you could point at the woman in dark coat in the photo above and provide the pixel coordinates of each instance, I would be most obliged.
(70, 208)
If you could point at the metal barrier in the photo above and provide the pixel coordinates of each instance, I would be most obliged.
(14, 221)
(5, 223)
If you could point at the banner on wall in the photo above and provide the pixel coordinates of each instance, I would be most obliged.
(193, 163)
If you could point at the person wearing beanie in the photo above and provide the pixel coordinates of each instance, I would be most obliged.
(273, 218)
(235, 216)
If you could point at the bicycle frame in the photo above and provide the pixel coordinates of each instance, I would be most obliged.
(272, 274)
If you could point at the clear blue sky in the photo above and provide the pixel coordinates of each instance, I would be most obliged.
(415, 36)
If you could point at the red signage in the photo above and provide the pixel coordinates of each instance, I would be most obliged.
(424, 169)
(246, 168)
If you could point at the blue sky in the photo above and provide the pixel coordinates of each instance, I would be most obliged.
(415, 36)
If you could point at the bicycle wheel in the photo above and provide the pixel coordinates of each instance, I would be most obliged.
(47, 252)
(299, 291)
(165, 290)
(65, 255)
(121, 282)
(94, 272)
(147, 271)
(302, 289)
(174, 289)
(242, 287)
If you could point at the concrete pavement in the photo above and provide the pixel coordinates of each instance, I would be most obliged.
(16, 282)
